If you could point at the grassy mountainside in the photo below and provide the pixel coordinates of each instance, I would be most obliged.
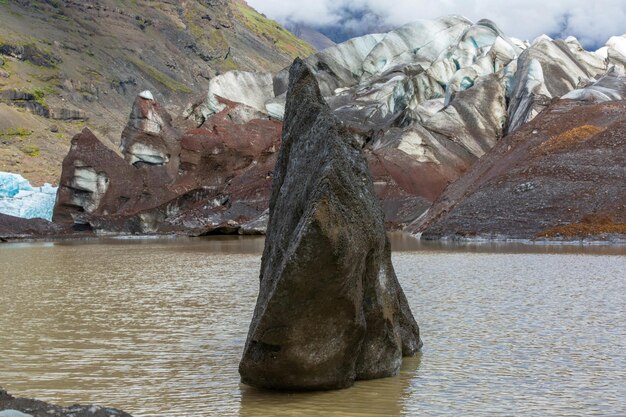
(66, 64)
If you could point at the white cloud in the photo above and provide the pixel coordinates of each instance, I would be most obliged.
(592, 21)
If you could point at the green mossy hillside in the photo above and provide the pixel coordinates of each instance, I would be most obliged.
(274, 32)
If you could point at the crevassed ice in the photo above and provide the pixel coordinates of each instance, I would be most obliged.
(18, 198)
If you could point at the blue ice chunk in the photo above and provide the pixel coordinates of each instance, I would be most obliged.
(11, 184)
(18, 198)
(466, 83)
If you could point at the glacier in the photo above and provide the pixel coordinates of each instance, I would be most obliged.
(457, 85)
(20, 199)
(428, 99)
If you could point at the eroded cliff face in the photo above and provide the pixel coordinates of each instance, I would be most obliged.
(330, 310)
(215, 178)
(560, 176)
(149, 137)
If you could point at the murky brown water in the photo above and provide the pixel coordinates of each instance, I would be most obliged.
(156, 327)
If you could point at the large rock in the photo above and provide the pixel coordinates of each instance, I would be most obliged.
(96, 181)
(330, 309)
(86, 178)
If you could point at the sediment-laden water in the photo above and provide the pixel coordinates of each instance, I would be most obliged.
(157, 327)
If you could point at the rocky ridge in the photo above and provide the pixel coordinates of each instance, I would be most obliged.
(425, 102)
(212, 179)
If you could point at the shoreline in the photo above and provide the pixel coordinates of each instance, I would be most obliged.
(590, 241)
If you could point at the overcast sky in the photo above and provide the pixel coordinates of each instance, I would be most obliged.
(592, 21)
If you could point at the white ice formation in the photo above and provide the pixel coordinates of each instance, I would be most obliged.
(18, 198)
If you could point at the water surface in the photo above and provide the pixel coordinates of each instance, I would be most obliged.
(157, 327)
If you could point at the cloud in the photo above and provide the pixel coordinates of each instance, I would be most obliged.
(592, 21)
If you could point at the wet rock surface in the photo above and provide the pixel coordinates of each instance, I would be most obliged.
(11, 406)
(560, 176)
(330, 309)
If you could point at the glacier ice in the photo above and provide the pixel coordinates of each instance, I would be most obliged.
(338, 66)
(18, 198)
(419, 42)
(611, 87)
(249, 88)
(12, 184)
(460, 85)
(618, 44)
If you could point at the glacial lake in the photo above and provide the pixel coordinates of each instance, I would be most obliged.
(156, 327)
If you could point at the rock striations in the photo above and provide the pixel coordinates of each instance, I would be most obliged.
(330, 309)
(560, 176)
(149, 138)
(212, 179)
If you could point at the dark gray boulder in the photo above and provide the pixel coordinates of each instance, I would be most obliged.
(28, 407)
(330, 309)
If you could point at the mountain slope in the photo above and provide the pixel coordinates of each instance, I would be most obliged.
(75, 63)
(316, 38)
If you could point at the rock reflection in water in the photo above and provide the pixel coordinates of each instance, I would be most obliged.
(375, 397)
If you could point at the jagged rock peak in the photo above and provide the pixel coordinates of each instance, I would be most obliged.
(330, 309)
(147, 115)
(149, 137)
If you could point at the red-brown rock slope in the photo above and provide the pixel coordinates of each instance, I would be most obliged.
(560, 176)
